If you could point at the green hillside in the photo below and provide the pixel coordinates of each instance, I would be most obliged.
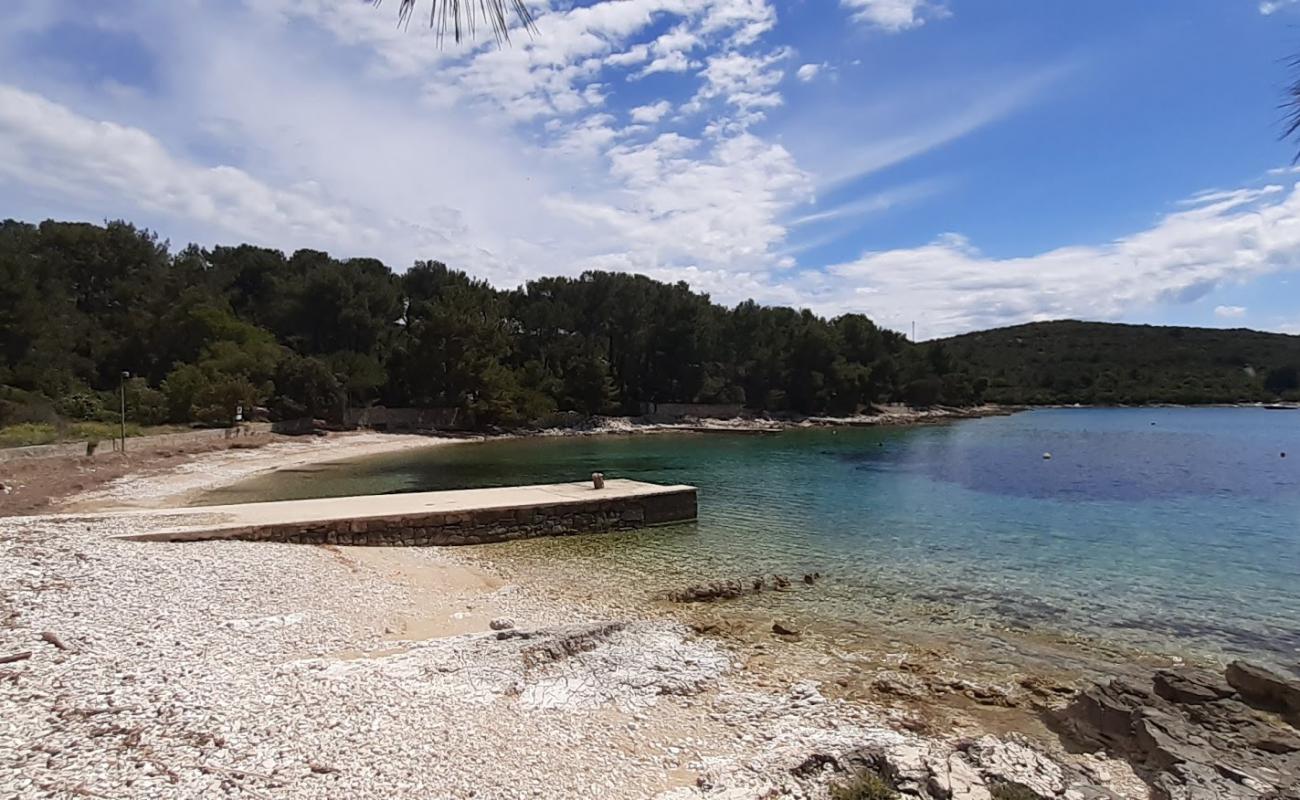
(1106, 363)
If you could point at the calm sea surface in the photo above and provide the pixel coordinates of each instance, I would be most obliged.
(1171, 530)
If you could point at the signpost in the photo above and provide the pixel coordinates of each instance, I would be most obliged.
(122, 388)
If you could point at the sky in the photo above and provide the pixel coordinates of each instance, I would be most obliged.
(957, 164)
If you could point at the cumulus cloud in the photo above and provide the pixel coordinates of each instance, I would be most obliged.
(894, 15)
(746, 82)
(650, 113)
(807, 72)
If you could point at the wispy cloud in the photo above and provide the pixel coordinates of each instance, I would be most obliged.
(949, 286)
(978, 103)
(895, 15)
(1271, 6)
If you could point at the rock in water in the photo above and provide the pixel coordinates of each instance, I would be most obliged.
(781, 629)
(708, 592)
(501, 624)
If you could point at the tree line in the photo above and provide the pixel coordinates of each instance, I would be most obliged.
(205, 331)
(1099, 363)
(202, 332)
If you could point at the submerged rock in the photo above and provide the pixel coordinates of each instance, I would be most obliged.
(707, 592)
(710, 591)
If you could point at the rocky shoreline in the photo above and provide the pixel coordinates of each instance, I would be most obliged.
(263, 670)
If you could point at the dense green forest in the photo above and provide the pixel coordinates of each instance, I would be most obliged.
(1106, 364)
(203, 331)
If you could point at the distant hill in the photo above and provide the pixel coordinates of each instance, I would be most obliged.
(1106, 363)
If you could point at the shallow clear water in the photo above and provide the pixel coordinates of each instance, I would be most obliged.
(1174, 530)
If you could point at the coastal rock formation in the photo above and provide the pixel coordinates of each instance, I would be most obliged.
(1196, 736)
(984, 769)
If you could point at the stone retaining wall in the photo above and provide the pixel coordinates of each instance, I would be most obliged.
(480, 526)
(184, 438)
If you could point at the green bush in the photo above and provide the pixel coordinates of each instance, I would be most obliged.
(18, 406)
(144, 404)
(33, 433)
(1011, 791)
(79, 405)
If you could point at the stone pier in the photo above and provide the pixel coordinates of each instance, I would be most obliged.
(466, 516)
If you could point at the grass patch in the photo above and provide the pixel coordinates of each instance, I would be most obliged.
(864, 786)
(31, 433)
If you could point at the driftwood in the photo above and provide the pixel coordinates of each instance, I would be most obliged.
(23, 656)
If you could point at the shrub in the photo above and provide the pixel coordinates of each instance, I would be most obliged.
(144, 404)
(79, 405)
(1011, 791)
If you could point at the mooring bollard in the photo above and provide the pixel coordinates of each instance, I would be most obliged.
(598, 480)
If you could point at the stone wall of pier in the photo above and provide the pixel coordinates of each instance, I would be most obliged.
(481, 526)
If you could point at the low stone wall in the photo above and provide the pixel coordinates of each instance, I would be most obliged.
(479, 526)
(185, 438)
(674, 411)
(380, 418)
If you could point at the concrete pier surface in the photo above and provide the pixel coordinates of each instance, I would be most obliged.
(462, 516)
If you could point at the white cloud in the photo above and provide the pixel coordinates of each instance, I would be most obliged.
(865, 140)
(949, 286)
(807, 72)
(1229, 312)
(747, 83)
(685, 202)
(48, 147)
(1269, 6)
(894, 15)
(650, 113)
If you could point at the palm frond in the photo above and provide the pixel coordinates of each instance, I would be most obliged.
(463, 16)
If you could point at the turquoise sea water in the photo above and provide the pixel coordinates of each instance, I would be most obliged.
(1173, 530)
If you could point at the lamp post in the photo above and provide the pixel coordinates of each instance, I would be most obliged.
(122, 388)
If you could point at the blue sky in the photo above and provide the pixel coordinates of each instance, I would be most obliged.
(963, 164)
